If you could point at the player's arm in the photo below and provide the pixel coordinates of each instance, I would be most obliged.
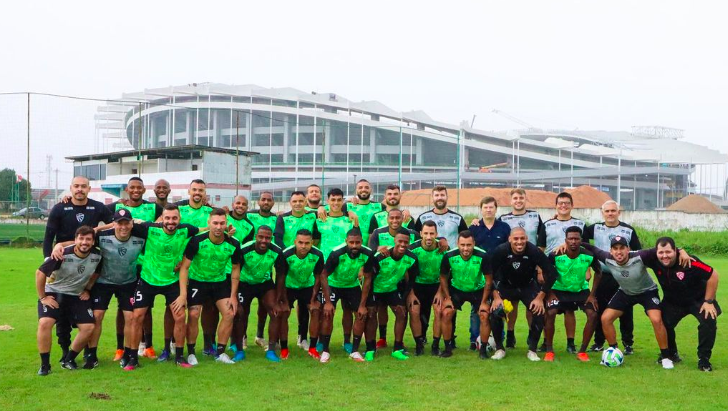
(598, 253)
(279, 231)
(50, 231)
(445, 278)
(412, 274)
(597, 278)
(281, 272)
(86, 293)
(316, 235)
(711, 286)
(541, 238)
(184, 272)
(57, 253)
(634, 241)
(365, 290)
(40, 281)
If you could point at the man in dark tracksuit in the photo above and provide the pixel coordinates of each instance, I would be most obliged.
(687, 291)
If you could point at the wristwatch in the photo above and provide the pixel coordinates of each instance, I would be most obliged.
(709, 301)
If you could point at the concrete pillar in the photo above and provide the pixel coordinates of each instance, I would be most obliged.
(329, 141)
(372, 145)
(190, 131)
(249, 131)
(215, 128)
(286, 137)
(418, 151)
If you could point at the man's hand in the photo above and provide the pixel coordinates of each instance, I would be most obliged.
(321, 213)
(315, 304)
(384, 251)
(437, 301)
(475, 222)
(231, 230)
(361, 313)
(412, 299)
(560, 249)
(593, 301)
(178, 304)
(84, 296)
(57, 253)
(66, 199)
(684, 259)
(442, 245)
(354, 218)
(406, 216)
(49, 301)
(233, 304)
(536, 306)
(497, 303)
(709, 310)
(328, 309)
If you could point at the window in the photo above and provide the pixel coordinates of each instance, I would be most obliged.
(194, 167)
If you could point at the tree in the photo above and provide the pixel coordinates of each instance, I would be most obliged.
(10, 189)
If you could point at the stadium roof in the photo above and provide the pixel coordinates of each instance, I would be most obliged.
(163, 152)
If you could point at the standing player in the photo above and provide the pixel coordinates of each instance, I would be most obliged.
(313, 197)
(63, 221)
(392, 197)
(687, 291)
(336, 225)
(243, 233)
(288, 223)
(602, 233)
(570, 291)
(364, 207)
(516, 279)
(163, 250)
(301, 266)
(464, 277)
(381, 290)
(635, 287)
(205, 263)
(161, 192)
(120, 248)
(552, 235)
(426, 292)
(63, 291)
(259, 258)
(489, 233)
(530, 221)
(340, 281)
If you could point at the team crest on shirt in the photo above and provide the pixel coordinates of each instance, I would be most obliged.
(122, 251)
(167, 248)
(81, 269)
(516, 264)
(655, 300)
(680, 275)
(80, 217)
(440, 223)
(625, 273)
(522, 224)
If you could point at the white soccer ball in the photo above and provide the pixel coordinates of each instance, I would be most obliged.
(612, 357)
(491, 343)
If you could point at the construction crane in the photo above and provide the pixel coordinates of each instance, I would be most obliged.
(514, 119)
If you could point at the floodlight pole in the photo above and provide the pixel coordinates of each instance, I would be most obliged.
(27, 181)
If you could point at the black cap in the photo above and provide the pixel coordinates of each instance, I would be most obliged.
(619, 240)
(122, 214)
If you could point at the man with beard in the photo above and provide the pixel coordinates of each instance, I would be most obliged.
(383, 238)
(340, 281)
(602, 233)
(161, 192)
(163, 251)
(392, 197)
(63, 221)
(63, 291)
(263, 216)
(313, 197)
(687, 291)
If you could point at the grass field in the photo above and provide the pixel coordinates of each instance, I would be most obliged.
(15, 230)
(461, 382)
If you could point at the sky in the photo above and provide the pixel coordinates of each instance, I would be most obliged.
(553, 64)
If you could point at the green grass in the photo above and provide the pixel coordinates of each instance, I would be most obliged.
(461, 382)
(15, 230)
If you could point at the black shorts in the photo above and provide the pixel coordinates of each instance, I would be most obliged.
(145, 293)
(649, 300)
(461, 297)
(390, 299)
(425, 292)
(350, 297)
(101, 295)
(70, 308)
(247, 292)
(524, 294)
(568, 301)
(200, 292)
(302, 295)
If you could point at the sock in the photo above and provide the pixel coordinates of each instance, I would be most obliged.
(72, 355)
(148, 339)
(436, 342)
(45, 359)
(271, 345)
(133, 355)
(86, 351)
(549, 348)
(127, 354)
(167, 342)
(448, 345)
(371, 345)
(179, 352)
(398, 345)
(665, 353)
(207, 339)
(261, 328)
(191, 349)
(569, 342)
(119, 341)
(92, 353)
(325, 340)
(313, 342)
(613, 346)
(383, 332)
(220, 349)
(511, 334)
(284, 344)
(347, 338)
(420, 341)
(357, 343)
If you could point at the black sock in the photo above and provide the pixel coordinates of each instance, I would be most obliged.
(398, 345)
(510, 333)
(86, 351)
(92, 353)
(220, 349)
(191, 349)
(613, 346)
(420, 341)
(127, 354)
(284, 344)
(179, 352)
(148, 339)
(45, 359)
(261, 328)
(347, 338)
(448, 345)
(167, 342)
(371, 345)
(325, 340)
(383, 332)
(133, 355)
(357, 343)
(119, 341)
(72, 355)
(569, 342)
(207, 339)
(665, 353)
(436, 342)
(313, 342)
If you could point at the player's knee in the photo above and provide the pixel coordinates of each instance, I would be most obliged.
(447, 313)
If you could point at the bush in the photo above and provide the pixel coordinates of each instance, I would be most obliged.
(694, 242)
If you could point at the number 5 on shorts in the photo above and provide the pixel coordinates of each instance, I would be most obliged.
(139, 296)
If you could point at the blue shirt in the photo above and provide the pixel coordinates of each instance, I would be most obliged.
(489, 239)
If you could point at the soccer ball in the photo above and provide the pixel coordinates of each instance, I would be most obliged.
(612, 357)
(491, 344)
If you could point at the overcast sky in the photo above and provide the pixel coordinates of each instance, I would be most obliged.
(553, 64)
